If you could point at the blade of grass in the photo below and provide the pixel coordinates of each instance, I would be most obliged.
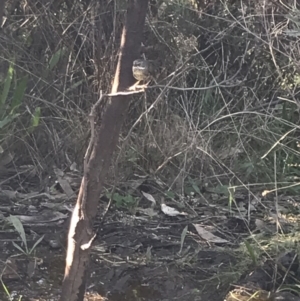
(183, 235)
(19, 93)
(35, 120)
(7, 84)
(36, 243)
(251, 252)
(55, 58)
(8, 119)
(20, 229)
(19, 248)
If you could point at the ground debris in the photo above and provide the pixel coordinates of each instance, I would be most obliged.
(258, 284)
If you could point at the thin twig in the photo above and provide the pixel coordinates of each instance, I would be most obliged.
(194, 89)
(125, 93)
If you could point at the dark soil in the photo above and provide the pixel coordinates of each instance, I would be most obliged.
(136, 256)
(133, 258)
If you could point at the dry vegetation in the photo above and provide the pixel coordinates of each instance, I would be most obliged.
(236, 64)
(222, 112)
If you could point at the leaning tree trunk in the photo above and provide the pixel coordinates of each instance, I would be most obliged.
(2, 5)
(106, 120)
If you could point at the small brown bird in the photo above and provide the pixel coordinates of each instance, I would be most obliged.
(142, 70)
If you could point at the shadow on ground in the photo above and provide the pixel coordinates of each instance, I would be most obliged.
(141, 253)
(133, 258)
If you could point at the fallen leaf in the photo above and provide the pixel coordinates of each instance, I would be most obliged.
(149, 197)
(167, 210)
(208, 236)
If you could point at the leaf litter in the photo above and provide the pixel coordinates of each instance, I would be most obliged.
(164, 234)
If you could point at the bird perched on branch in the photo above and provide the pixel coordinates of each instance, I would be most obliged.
(142, 70)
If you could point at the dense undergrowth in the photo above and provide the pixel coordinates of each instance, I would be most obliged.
(233, 120)
(221, 114)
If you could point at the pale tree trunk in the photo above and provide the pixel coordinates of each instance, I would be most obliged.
(106, 120)
(2, 5)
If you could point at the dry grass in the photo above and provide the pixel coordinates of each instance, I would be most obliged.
(212, 135)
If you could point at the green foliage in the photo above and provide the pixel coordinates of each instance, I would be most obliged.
(170, 194)
(251, 252)
(182, 238)
(36, 117)
(54, 60)
(20, 229)
(7, 120)
(220, 189)
(19, 93)
(7, 84)
(8, 293)
(193, 49)
(127, 201)
(9, 108)
(192, 186)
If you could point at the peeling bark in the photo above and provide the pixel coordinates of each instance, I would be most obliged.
(2, 5)
(106, 120)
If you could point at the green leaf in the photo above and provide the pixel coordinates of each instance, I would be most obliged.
(8, 119)
(36, 243)
(170, 194)
(251, 252)
(18, 247)
(221, 189)
(196, 188)
(129, 199)
(188, 190)
(19, 227)
(117, 197)
(35, 120)
(191, 187)
(183, 235)
(19, 93)
(5, 288)
(7, 84)
(73, 87)
(55, 58)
